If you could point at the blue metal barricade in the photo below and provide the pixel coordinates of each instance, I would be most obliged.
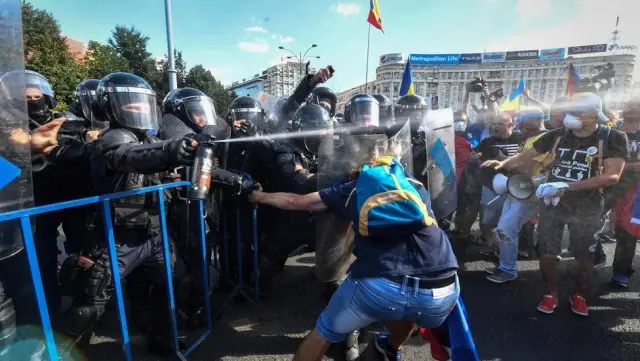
(27, 233)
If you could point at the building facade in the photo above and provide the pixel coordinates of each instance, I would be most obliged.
(277, 80)
(344, 96)
(545, 71)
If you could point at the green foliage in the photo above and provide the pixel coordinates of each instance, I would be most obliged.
(201, 78)
(160, 83)
(46, 52)
(132, 45)
(103, 59)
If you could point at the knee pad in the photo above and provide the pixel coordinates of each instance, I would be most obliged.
(79, 319)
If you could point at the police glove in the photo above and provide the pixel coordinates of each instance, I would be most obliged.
(248, 128)
(181, 151)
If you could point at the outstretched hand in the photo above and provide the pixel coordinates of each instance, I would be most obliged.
(256, 195)
(321, 76)
(495, 164)
(44, 138)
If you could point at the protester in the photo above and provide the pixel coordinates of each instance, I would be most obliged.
(624, 215)
(515, 212)
(586, 157)
(502, 142)
(401, 277)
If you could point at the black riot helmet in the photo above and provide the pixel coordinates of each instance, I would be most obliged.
(127, 100)
(311, 120)
(192, 106)
(386, 114)
(248, 109)
(413, 108)
(85, 95)
(325, 97)
(362, 110)
(40, 97)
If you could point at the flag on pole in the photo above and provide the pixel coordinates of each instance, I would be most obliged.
(512, 103)
(374, 15)
(407, 81)
(572, 80)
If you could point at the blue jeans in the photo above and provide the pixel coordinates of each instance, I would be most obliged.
(515, 213)
(360, 302)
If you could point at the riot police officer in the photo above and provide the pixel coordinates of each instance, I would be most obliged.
(126, 158)
(85, 96)
(190, 111)
(386, 109)
(324, 97)
(413, 108)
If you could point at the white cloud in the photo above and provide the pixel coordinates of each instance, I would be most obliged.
(286, 39)
(221, 74)
(529, 9)
(257, 46)
(273, 36)
(346, 9)
(256, 29)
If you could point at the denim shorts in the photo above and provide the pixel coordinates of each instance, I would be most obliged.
(360, 302)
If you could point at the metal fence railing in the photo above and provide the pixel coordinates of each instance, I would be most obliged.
(27, 233)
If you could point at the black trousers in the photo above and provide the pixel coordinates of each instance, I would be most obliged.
(625, 252)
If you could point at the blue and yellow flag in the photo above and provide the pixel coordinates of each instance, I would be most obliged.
(512, 103)
(374, 15)
(407, 81)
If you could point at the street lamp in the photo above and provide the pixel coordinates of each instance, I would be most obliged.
(301, 57)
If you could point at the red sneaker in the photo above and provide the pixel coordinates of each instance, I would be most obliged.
(548, 304)
(579, 305)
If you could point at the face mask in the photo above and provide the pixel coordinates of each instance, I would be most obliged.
(459, 126)
(572, 122)
(38, 110)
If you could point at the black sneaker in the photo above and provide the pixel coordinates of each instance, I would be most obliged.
(501, 277)
(383, 349)
(351, 347)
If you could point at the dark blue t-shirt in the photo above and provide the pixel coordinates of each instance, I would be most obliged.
(475, 133)
(425, 253)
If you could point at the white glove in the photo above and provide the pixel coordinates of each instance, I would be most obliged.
(550, 189)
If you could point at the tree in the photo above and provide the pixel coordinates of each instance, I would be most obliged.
(103, 59)
(46, 52)
(132, 46)
(201, 78)
(160, 83)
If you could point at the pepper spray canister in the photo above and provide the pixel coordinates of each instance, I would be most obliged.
(203, 165)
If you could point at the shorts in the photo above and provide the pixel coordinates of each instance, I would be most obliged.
(360, 302)
(583, 221)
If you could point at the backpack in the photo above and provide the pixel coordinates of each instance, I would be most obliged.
(387, 202)
(602, 137)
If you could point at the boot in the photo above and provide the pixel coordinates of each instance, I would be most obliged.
(351, 347)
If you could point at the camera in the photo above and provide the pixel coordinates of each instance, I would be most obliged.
(477, 85)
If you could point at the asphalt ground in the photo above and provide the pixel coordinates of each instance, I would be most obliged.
(503, 318)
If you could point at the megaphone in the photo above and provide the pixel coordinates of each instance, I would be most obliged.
(519, 186)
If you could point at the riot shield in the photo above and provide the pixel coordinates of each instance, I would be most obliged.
(15, 159)
(439, 169)
(400, 144)
(339, 155)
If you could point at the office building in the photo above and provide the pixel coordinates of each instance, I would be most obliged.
(277, 80)
(545, 71)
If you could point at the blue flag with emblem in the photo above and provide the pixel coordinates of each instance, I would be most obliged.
(8, 172)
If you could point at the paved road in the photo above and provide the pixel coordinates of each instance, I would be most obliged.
(505, 323)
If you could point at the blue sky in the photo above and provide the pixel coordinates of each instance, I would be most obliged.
(236, 39)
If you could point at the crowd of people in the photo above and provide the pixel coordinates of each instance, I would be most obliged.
(358, 188)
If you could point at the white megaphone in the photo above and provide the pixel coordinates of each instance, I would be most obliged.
(519, 186)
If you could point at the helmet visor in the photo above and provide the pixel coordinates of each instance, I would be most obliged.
(37, 84)
(365, 113)
(86, 97)
(201, 112)
(135, 108)
(253, 115)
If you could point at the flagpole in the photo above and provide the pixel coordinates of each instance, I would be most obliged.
(366, 76)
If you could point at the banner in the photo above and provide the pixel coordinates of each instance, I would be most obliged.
(586, 49)
(471, 58)
(432, 59)
(616, 47)
(395, 58)
(493, 57)
(552, 54)
(522, 55)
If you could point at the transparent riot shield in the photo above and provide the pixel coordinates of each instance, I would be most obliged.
(439, 169)
(339, 156)
(15, 159)
(400, 144)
